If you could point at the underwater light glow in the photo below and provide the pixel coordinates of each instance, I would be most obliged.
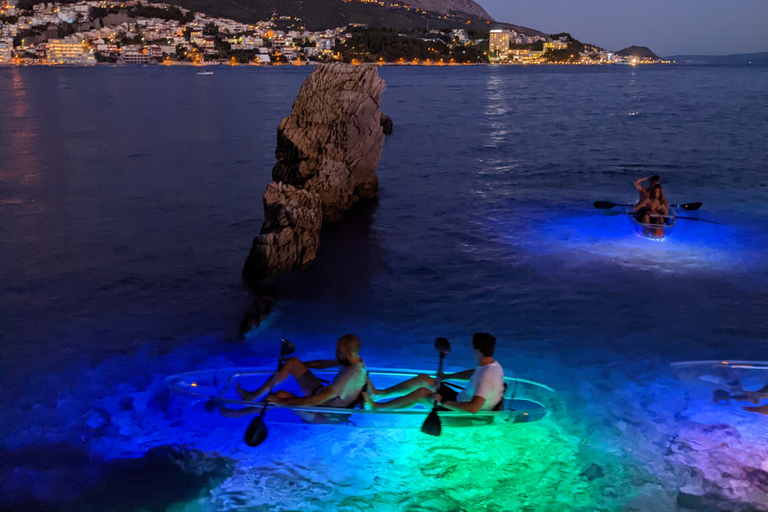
(585, 237)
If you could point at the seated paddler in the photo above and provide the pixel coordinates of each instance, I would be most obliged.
(344, 391)
(484, 390)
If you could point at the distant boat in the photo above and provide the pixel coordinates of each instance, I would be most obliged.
(205, 72)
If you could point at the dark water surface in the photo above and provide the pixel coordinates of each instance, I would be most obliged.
(129, 198)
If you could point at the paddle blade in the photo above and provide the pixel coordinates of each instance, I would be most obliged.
(443, 346)
(432, 425)
(286, 347)
(604, 205)
(256, 433)
(690, 206)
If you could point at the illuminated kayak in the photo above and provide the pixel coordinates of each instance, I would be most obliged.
(524, 401)
(740, 381)
(656, 232)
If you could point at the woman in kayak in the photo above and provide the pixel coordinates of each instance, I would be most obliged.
(655, 209)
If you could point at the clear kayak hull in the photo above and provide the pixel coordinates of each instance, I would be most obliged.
(657, 232)
(524, 401)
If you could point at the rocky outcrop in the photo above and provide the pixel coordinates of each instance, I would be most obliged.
(327, 152)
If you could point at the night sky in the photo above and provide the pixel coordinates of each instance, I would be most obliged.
(668, 27)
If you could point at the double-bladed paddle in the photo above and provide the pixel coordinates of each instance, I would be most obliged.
(432, 425)
(606, 205)
(257, 431)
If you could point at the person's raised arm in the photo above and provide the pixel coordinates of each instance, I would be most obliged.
(321, 364)
(638, 183)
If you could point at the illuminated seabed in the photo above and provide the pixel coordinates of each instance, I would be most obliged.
(628, 436)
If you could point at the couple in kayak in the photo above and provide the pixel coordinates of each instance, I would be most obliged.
(652, 207)
(483, 392)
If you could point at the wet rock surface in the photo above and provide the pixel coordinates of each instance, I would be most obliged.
(327, 152)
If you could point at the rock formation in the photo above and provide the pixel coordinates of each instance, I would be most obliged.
(327, 152)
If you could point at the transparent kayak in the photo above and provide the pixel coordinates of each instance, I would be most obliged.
(525, 401)
(740, 381)
(656, 232)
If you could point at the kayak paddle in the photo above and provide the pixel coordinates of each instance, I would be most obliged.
(678, 217)
(432, 425)
(257, 431)
(606, 205)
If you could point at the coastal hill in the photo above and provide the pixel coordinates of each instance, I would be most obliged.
(449, 6)
(323, 14)
(640, 52)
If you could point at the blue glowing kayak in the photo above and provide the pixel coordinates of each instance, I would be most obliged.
(656, 232)
(524, 401)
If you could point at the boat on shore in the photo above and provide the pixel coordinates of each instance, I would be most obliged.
(656, 232)
(525, 401)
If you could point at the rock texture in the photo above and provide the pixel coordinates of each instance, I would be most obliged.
(327, 152)
(447, 6)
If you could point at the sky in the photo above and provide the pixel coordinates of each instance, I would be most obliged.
(668, 27)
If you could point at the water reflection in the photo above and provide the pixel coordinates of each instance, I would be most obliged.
(19, 163)
(496, 108)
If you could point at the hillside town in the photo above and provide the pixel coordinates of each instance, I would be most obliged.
(132, 32)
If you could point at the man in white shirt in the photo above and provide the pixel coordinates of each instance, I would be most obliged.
(344, 391)
(484, 392)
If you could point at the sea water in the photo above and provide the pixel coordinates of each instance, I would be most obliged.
(129, 197)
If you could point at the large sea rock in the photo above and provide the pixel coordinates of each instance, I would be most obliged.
(327, 152)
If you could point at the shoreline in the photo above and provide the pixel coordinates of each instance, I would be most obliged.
(313, 63)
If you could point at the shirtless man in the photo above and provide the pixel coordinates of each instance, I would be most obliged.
(342, 392)
(644, 193)
(484, 392)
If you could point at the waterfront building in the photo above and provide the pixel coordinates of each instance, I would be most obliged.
(498, 44)
(134, 54)
(555, 45)
(61, 51)
(6, 51)
(156, 52)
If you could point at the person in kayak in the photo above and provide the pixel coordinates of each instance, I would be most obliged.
(643, 192)
(484, 391)
(343, 391)
(654, 209)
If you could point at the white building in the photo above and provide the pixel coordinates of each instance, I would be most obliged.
(61, 51)
(134, 54)
(460, 35)
(6, 51)
(325, 43)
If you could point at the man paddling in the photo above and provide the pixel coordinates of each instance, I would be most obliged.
(484, 392)
(342, 392)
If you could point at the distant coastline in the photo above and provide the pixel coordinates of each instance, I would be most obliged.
(738, 59)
